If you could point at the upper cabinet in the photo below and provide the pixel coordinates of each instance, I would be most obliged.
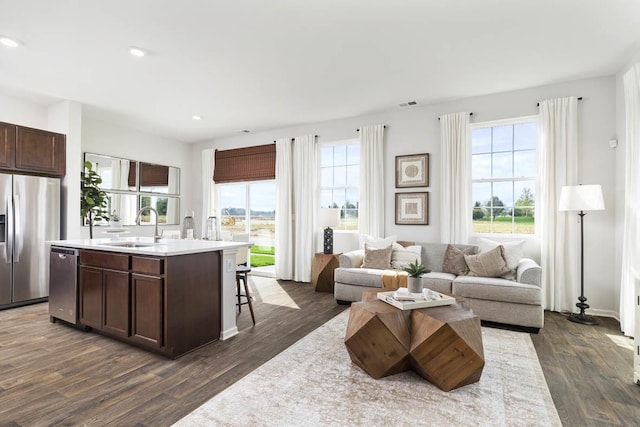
(32, 151)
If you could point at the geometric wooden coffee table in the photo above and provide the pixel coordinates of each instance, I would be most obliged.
(442, 344)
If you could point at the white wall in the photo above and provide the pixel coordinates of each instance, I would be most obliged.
(416, 130)
(21, 112)
(112, 140)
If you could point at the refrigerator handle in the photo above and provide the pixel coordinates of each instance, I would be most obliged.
(18, 229)
(8, 247)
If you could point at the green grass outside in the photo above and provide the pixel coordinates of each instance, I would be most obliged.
(503, 225)
(259, 260)
(264, 250)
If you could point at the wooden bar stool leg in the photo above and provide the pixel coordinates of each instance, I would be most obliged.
(238, 293)
(246, 291)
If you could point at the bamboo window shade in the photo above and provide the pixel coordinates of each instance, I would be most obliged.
(245, 164)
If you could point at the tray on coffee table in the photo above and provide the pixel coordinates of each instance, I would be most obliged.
(410, 305)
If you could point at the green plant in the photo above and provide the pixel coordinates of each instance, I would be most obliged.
(93, 201)
(416, 270)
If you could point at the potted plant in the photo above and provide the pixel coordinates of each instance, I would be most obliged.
(415, 270)
(93, 201)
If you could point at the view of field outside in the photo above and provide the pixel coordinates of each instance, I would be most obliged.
(504, 170)
(257, 199)
(340, 181)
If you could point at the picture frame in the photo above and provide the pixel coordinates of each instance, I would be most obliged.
(412, 208)
(412, 170)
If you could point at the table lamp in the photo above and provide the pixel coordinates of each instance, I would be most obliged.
(581, 198)
(329, 217)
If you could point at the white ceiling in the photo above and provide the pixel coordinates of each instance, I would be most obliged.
(259, 64)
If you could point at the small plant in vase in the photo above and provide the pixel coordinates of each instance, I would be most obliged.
(114, 220)
(415, 270)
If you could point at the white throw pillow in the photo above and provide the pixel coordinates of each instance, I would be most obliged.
(513, 251)
(377, 242)
(401, 257)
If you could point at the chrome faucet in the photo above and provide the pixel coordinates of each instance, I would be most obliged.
(156, 236)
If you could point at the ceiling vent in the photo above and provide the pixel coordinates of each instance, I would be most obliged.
(245, 131)
(408, 104)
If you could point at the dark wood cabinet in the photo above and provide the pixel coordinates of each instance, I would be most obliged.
(117, 302)
(7, 145)
(147, 309)
(90, 296)
(32, 151)
(170, 305)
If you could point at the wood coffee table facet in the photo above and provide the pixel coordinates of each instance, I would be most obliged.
(378, 338)
(446, 346)
(442, 344)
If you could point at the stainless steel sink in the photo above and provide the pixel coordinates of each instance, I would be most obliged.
(130, 244)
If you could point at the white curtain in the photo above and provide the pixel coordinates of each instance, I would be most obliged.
(208, 198)
(173, 208)
(371, 207)
(284, 217)
(455, 178)
(630, 278)
(304, 196)
(559, 231)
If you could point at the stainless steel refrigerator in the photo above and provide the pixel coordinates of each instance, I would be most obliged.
(29, 216)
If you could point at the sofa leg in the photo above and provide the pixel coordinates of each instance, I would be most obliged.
(342, 302)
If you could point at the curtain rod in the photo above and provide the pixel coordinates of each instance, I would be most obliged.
(383, 127)
(293, 139)
(471, 114)
(579, 99)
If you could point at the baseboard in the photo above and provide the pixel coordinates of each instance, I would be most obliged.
(228, 333)
(604, 313)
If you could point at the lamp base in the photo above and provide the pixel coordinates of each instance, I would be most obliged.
(582, 318)
(328, 240)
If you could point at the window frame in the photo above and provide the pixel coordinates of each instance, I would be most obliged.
(512, 179)
(343, 142)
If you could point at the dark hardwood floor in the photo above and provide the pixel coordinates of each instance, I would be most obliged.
(589, 371)
(51, 374)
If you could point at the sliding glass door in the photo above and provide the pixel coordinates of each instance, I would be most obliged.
(250, 208)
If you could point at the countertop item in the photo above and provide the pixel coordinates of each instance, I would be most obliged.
(146, 245)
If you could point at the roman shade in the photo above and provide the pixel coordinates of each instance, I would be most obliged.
(245, 164)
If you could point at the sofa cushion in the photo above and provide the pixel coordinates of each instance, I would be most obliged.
(433, 254)
(513, 251)
(377, 242)
(439, 282)
(401, 256)
(454, 262)
(377, 258)
(494, 289)
(369, 277)
(488, 264)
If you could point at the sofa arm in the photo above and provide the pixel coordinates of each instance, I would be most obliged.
(352, 259)
(529, 272)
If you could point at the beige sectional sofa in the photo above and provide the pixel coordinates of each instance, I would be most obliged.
(513, 302)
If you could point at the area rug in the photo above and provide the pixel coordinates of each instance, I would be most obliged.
(314, 383)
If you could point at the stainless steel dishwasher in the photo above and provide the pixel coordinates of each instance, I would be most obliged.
(63, 284)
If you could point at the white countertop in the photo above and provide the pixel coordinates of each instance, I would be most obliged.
(165, 247)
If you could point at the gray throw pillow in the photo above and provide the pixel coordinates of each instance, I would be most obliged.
(454, 262)
(488, 264)
(377, 258)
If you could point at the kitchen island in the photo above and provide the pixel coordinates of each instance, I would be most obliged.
(170, 297)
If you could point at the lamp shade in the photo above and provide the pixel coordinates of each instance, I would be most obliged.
(581, 198)
(329, 217)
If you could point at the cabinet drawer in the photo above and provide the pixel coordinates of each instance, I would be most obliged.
(105, 259)
(147, 265)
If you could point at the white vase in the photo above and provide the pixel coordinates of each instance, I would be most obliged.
(414, 285)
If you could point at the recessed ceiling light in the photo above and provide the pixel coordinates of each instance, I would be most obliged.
(9, 42)
(196, 117)
(136, 51)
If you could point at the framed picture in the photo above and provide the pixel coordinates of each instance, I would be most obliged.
(412, 208)
(412, 171)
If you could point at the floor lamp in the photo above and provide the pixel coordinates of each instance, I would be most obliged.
(581, 198)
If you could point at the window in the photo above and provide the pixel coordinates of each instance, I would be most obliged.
(504, 173)
(340, 181)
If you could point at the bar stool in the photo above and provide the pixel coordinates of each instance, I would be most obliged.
(242, 274)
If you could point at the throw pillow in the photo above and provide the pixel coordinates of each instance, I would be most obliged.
(513, 251)
(488, 264)
(454, 262)
(377, 242)
(401, 257)
(377, 258)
